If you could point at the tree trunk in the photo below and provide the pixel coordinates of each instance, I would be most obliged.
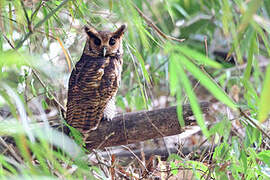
(139, 126)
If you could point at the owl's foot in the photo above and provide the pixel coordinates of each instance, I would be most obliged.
(107, 117)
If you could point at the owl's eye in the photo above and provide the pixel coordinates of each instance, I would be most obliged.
(112, 41)
(97, 41)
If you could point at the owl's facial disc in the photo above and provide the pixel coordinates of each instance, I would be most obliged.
(105, 43)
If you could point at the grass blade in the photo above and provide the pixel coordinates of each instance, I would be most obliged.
(264, 107)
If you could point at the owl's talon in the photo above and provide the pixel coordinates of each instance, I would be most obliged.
(107, 118)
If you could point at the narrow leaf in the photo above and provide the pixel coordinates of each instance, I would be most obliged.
(208, 83)
(193, 100)
(141, 60)
(200, 58)
(173, 77)
(264, 107)
(252, 8)
(110, 5)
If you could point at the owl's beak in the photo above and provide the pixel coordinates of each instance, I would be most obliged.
(104, 51)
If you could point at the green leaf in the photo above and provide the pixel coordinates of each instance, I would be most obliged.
(252, 47)
(44, 104)
(218, 128)
(175, 88)
(193, 101)
(140, 58)
(174, 168)
(33, 89)
(198, 57)
(46, 24)
(221, 152)
(243, 160)
(179, 108)
(173, 76)
(5, 164)
(110, 5)
(265, 40)
(265, 156)
(208, 83)
(169, 8)
(53, 12)
(174, 156)
(34, 14)
(253, 137)
(247, 17)
(264, 107)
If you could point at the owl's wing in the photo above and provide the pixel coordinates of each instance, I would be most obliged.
(73, 93)
(91, 86)
(75, 74)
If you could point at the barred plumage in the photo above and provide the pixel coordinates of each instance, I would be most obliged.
(95, 79)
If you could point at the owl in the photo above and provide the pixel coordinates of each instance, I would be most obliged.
(94, 81)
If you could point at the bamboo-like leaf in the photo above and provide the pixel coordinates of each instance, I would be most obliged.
(110, 5)
(173, 76)
(22, 115)
(252, 8)
(175, 88)
(200, 58)
(34, 14)
(207, 82)
(260, 31)
(1, 40)
(264, 107)
(11, 58)
(137, 74)
(33, 89)
(5, 164)
(179, 108)
(252, 48)
(48, 134)
(151, 37)
(46, 24)
(141, 60)
(41, 22)
(226, 17)
(193, 100)
(8, 101)
(10, 22)
(181, 10)
(169, 8)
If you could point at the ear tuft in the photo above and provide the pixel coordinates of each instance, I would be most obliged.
(121, 30)
(90, 31)
(86, 29)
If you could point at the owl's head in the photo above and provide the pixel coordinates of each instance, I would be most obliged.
(104, 43)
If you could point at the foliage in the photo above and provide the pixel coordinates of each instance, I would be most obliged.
(40, 41)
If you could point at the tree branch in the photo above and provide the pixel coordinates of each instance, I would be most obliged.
(140, 126)
(40, 23)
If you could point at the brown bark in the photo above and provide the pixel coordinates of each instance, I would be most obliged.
(134, 127)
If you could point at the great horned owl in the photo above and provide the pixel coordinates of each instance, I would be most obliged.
(95, 79)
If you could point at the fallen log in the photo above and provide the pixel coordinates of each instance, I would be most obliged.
(139, 126)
